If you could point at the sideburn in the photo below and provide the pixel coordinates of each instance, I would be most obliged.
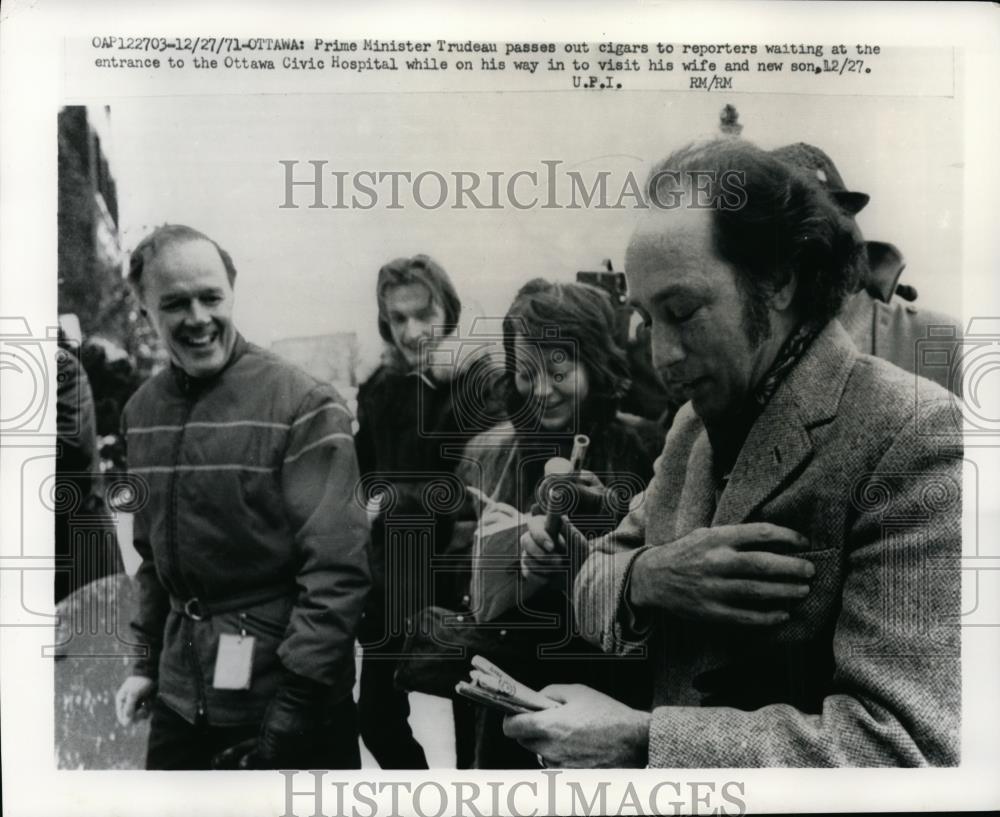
(756, 310)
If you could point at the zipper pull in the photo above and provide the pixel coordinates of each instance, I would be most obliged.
(243, 626)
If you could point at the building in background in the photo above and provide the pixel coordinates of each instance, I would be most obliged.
(331, 358)
(90, 252)
(117, 346)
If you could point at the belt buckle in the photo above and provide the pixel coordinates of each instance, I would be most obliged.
(192, 609)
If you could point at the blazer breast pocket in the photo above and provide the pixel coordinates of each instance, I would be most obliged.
(816, 612)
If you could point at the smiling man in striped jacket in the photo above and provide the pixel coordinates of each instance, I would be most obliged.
(254, 571)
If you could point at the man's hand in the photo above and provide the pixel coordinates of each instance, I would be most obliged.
(590, 730)
(291, 724)
(729, 574)
(131, 698)
(539, 553)
(241, 756)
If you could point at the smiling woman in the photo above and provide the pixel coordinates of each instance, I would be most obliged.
(565, 374)
(561, 357)
(551, 381)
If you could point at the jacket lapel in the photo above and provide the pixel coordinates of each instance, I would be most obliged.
(779, 443)
(698, 494)
(777, 446)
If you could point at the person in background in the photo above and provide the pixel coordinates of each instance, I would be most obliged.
(254, 571)
(661, 401)
(414, 409)
(880, 316)
(565, 375)
(86, 544)
(646, 398)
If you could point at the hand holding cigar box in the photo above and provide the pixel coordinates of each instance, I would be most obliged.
(490, 686)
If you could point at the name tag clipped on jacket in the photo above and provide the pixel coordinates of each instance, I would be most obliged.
(234, 661)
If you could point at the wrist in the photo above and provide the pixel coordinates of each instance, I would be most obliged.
(639, 723)
(298, 689)
(636, 583)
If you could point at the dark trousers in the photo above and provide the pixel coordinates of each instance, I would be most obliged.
(384, 711)
(493, 749)
(385, 728)
(464, 713)
(175, 744)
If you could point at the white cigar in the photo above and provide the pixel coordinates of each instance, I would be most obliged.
(580, 445)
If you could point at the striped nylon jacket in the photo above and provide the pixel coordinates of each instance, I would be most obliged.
(250, 526)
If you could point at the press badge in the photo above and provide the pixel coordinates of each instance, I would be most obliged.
(233, 662)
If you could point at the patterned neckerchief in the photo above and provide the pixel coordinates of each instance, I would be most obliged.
(726, 447)
(788, 355)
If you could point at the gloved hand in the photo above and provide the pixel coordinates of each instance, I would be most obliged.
(292, 721)
(241, 756)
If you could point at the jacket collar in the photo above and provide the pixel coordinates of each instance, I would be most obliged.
(457, 360)
(779, 442)
(188, 385)
(885, 265)
(424, 376)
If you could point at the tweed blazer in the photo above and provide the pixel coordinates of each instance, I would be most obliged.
(864, 460)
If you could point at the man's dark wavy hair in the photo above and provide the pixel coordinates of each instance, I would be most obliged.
(785, 226)
(580, 318)
(163, 236)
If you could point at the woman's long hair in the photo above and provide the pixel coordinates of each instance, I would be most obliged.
(581, 319)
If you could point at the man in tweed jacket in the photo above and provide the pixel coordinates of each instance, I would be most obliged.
(792, 442)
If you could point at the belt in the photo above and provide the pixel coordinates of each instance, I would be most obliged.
(197, 609)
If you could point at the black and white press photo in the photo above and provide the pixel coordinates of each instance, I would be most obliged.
(491, 418)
